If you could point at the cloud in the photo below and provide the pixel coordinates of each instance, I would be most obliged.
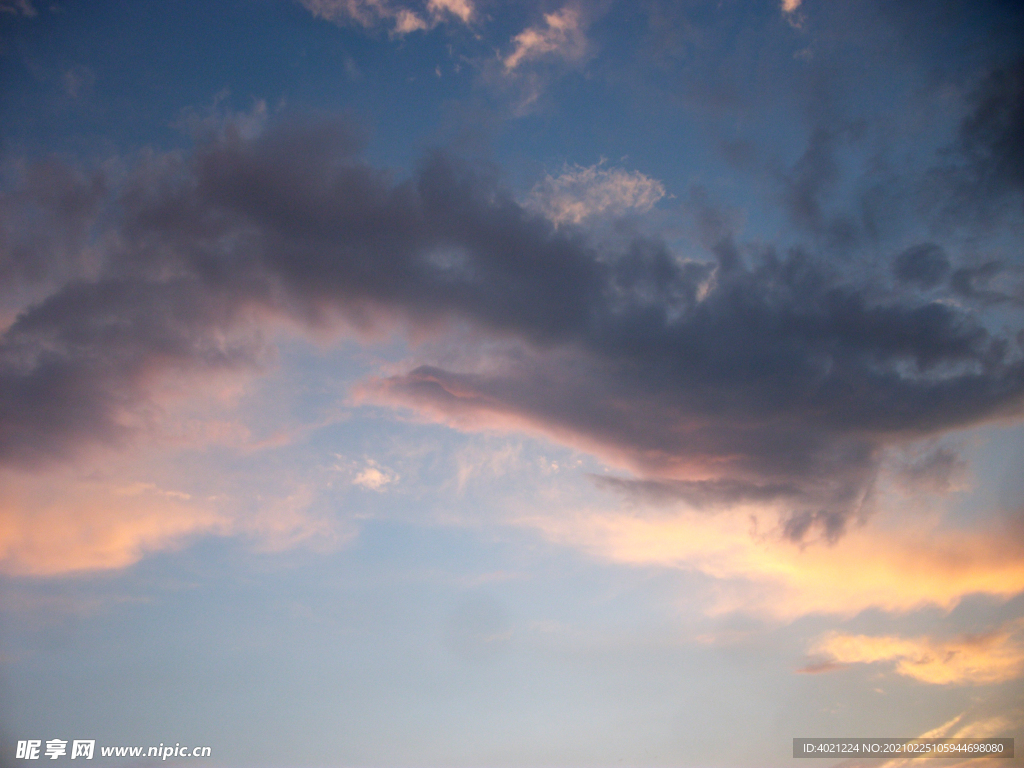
(44, 226)
(990, 282)
(373, 477)
(402, 19)
(18, 8)
(742, 372)
(473, 461)
(741, 388)
(301, 516)
(79, 365)
(969, 725)
(808, 185)
(579, 193)
(365, 12)
(77, 81)
(462, 9)
(561, 36)
(925, 264)
(992, 717)
(110, 509)
(65, 525)
(937, 470)
(845, 191)
(992, 135)
(992, 657)
(905, 566)
(981, 178)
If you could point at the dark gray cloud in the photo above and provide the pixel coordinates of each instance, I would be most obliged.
(925, 264)
(45, 225)
(992, 136)
(989, 282)
(753, 374)
(77, 368)
(981, 178)
(865, 89)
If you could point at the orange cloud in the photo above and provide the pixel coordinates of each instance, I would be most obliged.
(891, 569)
(967, 725)
(994, 657)
(54, 525)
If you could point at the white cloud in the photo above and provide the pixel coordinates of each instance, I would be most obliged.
(560, 36)
(373, 477)
(581, 192)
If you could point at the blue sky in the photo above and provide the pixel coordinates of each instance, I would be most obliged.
(466, 383)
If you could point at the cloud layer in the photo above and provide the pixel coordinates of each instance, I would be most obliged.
(743, 373)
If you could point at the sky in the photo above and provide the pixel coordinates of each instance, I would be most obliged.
(525, 384)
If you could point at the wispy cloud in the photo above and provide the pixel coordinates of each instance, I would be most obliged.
(78, 81)
(561, 36)
(401, 18)
(978, 722)
(296, 518)
(18, 8)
